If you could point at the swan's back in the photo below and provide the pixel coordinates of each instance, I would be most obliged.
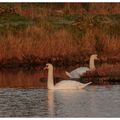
(69, 84)
(78, 72)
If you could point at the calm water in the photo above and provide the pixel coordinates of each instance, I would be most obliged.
(94, 101)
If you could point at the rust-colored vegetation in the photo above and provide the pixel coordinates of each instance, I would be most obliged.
(65, 34)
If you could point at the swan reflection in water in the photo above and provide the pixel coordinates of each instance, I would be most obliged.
(62, 99)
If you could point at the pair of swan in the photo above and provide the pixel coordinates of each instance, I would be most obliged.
(65, 84)
(81, 70)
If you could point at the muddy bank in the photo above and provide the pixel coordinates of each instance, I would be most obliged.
(101, 80)
(33, 61)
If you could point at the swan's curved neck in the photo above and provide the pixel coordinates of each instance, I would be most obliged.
(92, 64)
(50, 82)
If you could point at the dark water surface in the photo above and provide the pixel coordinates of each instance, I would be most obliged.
(12, 78)
(94, 101)
(27, 79)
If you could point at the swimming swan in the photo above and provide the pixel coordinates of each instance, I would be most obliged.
(65, 84)
(81, 70)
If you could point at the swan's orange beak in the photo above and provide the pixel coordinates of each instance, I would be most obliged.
(45, 68)
(97, 59)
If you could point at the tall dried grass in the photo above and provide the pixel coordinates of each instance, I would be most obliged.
(37, 42)
(43, 41)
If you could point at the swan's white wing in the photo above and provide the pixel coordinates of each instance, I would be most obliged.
(78, 72)
(69, 84)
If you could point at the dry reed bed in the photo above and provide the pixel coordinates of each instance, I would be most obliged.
(37, 43)
(40, 43)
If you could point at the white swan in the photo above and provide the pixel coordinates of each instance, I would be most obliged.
(81, 70)
(65, 84)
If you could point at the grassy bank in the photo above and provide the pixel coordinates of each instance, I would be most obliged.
(32, 34)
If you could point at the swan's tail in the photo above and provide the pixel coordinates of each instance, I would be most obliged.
(68, 74)
(88, 83)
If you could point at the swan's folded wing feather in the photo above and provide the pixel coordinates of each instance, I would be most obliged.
(78, 72)
(68, 84)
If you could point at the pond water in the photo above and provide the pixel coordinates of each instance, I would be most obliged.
(27, 79)
(93, 101)
(24, 94)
